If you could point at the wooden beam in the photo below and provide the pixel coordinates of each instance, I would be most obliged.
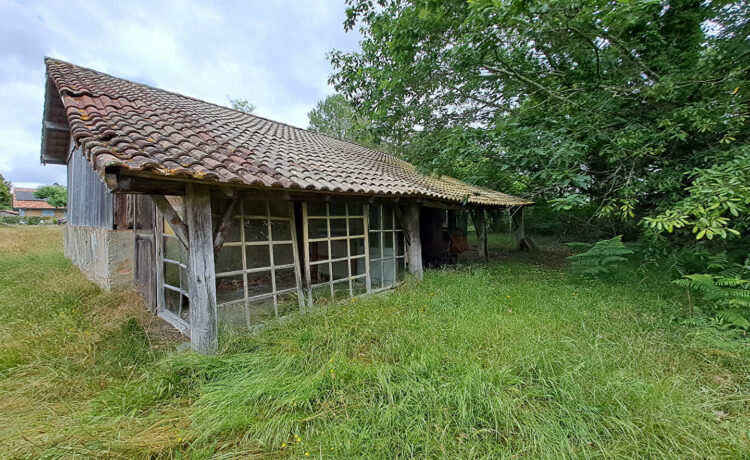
(143, 186)
(51, 125)
(224, 224)
(480, 224)
(414, 243)
(524, 243)
(174, 221)
(204, 331)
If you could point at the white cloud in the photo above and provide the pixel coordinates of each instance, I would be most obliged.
(269, 52)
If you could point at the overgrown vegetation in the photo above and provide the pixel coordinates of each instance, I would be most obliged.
(510, 359)
(56, 195)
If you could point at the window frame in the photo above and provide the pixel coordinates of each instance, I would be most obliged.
(381, 232)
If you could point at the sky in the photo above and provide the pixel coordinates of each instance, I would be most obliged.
(271, 53)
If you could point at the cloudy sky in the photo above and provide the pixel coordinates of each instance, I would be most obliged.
(271, 53)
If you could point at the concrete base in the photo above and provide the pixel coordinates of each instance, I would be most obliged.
(104, 256)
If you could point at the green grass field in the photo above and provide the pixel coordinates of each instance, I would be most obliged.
(517, 359)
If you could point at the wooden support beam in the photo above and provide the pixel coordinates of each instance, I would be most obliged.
(170, 215)
(524, 243)
(204, 331)
(143, 186)
(414, 243)
(224, 224)
(51, 125)
(480, 224)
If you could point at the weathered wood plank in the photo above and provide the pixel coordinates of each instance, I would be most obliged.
(414, 243)
(480, 223)
(89, 202)
(173, 219)
(224, 224)
(204, 333)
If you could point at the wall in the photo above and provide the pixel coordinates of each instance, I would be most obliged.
(103, 256)
(89, 201)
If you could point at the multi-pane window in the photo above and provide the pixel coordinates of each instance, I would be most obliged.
(174, 302)
(257, 271)
(387, 247)
(335, 249)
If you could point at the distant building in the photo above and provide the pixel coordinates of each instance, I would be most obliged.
(27, 204)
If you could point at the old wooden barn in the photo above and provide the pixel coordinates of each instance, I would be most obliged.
(224, 218)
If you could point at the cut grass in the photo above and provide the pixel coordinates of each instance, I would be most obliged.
(499, 361)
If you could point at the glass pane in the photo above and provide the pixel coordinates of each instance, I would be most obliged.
(338, 249)
(356, 246)
(340, 270)
(258, 256)
(172, 301)
(400, 272)
(399, 243)
(375, 252)
(234, 234)
(282, 254)
(172, 274)
(254, 208)
(375, 217)
(359, 286)
(389, 271)
(279, 208)
(387, 218)
(356, 227)
(388, 244)
(317, 228)
(281, 230)
(229, 259)
(338, 227)
(229, 288)
(358, 266)
(355, 209)
(319, 250)
(184, 279)
(261, 310)
(285, 279)
(321, 294)
(319, 273)
(287, 303)
(172, 248)
(316, 209)
(341, 290)
(232, 316)
(256, 230)
(376, 276)
(185, 309)
(338, 208)
(259, 283)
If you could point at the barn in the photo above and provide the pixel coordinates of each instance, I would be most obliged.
(223, 218)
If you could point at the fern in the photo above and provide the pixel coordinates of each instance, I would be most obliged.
(601, 258)
(727, 290)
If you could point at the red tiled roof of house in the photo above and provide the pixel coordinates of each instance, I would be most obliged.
(136, 127)
(26, 203)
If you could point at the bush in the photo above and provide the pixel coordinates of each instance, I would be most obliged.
(10, 220)
(33, 220)
(601, 258)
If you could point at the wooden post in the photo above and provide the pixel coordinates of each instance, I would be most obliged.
(482, 221)
(414, 249)
(524, 243)
(226, 221)
(204, 331)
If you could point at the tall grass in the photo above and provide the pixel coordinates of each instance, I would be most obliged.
(508, 360)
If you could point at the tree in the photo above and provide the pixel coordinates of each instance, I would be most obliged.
(637, 110)
(242, 105)
(336, 117)
(6, 199)
(56, 195)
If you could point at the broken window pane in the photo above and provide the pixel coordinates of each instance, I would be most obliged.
(259, 283)
(319, 250)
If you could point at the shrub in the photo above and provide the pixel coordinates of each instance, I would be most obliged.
(10, 220)
(601, 257)
(33, 220)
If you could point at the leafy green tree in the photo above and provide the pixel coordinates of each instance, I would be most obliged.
(242, 105)
(336, 117)
(6, 199)
(56, 195)
(635, 109)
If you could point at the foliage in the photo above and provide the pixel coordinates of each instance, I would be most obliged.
(242, 105)
(6, 199)
(56, 195)
(602, 257)
(726, 288)
(336, 117)
(637, 110)
(11, 220)
(32, 220)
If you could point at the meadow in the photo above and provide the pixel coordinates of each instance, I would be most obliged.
(518, 358)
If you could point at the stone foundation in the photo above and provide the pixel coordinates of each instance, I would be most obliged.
(104, 256)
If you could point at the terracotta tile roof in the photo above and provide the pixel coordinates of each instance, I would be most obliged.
(137, 127)
(23, 198)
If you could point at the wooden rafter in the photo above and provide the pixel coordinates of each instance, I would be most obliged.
(172, 218)
(224, 224)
